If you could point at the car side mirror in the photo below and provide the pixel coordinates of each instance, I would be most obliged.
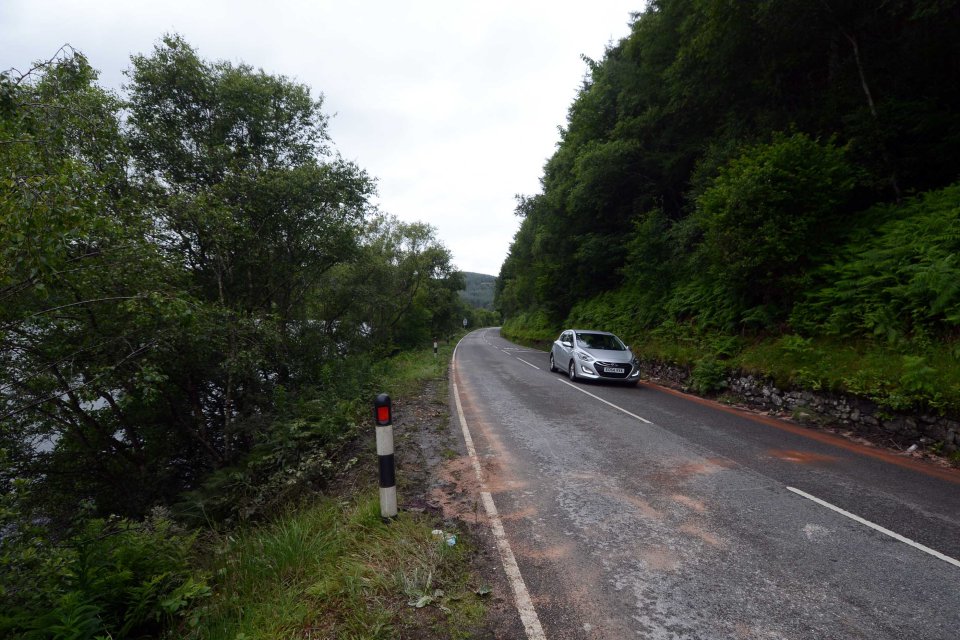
(567, 344)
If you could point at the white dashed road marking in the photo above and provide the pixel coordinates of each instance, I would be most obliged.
(632, 415)
(895, 536)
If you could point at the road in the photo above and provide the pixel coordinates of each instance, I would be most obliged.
(640, 513)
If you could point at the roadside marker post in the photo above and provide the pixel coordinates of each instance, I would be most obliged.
(434, 347)
(383, 417)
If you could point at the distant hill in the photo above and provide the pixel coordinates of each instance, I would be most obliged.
(479, 290)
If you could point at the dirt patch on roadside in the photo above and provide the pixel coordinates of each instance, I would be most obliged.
(435, 476)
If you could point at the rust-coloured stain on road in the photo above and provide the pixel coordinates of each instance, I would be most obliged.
(556, 553)
(682, 472)
(802, 457)
(699, 531)
(690, 503)
(643, 507)
(706, 467)
(659, 558)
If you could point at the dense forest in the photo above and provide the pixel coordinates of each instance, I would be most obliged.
(738, 172)
(195, 292)
(478, 290)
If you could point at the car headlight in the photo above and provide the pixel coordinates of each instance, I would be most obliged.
(585, 356)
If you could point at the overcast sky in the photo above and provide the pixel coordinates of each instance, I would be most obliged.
(453, 106)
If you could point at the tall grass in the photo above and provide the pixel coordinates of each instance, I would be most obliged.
(334, 568)
(405, 373)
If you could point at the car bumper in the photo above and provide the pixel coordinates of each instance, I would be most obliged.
(586, 370)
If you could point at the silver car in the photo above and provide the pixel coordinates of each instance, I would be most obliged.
(594, 355)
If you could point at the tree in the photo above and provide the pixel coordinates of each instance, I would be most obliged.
(771, 215)
(158, 279)
(400, 292)
(233, 160)
(87, 300)
(247, 194)
(673, 104)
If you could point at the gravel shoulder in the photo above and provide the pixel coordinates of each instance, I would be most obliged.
(435, 478)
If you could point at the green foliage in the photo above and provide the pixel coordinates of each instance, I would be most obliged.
(336, 569)
(708, 376)
(767, 218)
(105, 578)
(163, 280)
(905, 376)
(295, 451)
(300, 448)
(193, 287)
(621, 312)
(477, 317)
(919, 379)
(703, 200)
(653, 267)
(671, 176)
(898, 278)
(400, 291)
(90, 306)
(405, 373)
(530, 328)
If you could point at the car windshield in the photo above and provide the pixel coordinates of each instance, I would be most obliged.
(603, 341)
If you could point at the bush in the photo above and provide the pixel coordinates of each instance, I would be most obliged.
(295, 449)
(709, 376)
(767, 218)
(615, 311)
(112, 577)
(897, 280)
(530, 327)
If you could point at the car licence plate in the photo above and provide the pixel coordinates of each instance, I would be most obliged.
(614, 370)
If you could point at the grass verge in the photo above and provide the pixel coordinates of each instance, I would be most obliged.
(330, 567)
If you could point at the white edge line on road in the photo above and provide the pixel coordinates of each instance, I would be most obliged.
(632, 415)
(528, 363)
(528, 614)
(895, 536)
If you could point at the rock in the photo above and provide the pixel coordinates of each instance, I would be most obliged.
(893, 426)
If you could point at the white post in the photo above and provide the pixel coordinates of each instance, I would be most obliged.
(383, 415)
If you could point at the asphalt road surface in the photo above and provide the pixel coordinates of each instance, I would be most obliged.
(640, 513)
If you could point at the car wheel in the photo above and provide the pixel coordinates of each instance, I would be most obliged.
(553, 366)
(572, 371)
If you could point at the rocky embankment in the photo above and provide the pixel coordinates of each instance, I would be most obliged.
(861, 416)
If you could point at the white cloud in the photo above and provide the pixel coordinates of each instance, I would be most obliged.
(453, 106)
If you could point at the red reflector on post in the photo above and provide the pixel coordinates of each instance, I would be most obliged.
(381, 410)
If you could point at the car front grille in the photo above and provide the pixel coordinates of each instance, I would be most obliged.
(601, 369)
